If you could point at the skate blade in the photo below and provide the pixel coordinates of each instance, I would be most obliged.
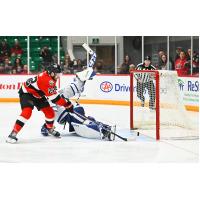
(11, 141)
(58, 137)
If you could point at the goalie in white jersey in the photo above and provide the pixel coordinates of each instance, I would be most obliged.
(78, 123)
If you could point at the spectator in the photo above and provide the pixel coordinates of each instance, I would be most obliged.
(161, 60)
(25, 69)
(16, 50)
(7, 66)
(163, 63)
(79, 66)
(14, 71)
(22, 70)
(66, 70)
(195, 63)
(46, 55)
(68, 67)
(195, 60)
(98, 68)
(181, 64)
(188, 55)
(132, 67)
(19, 69)
(178, 51)
(124, 67)
(4, 50)
(18, 65)
(160, 54)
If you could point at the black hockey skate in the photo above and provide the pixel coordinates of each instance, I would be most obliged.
(12, 138)
(46, 131)
(108, 134)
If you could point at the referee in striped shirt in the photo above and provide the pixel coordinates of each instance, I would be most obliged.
(145, 80)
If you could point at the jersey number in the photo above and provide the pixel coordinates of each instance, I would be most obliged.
(31, 81)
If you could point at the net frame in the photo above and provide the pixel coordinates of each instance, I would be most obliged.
(157, 99)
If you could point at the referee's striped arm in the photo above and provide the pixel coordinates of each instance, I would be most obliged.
(138, 75)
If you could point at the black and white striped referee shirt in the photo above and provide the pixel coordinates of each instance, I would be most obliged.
(145, 77)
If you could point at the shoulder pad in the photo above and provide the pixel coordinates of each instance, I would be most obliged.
(140, 64)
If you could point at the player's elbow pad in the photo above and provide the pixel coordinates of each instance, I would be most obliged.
(55, 98)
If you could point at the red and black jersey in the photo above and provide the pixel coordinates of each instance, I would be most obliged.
(41, 85)
(44, 85)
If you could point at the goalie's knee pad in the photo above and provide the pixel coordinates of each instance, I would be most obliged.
(64, 117)
(80, 110)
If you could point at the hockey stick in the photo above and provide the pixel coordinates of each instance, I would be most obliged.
(115, 134)
(92, 53)
(88, 49)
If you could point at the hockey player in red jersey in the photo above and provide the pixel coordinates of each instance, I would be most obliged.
(34, 93)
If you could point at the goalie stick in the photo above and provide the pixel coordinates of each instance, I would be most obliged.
(90, 73)
(88, 49)
(92, 53)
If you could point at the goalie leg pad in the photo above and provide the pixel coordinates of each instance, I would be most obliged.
(93, 131)
(86, 131)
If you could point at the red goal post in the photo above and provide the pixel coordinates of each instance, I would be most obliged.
(157, 99)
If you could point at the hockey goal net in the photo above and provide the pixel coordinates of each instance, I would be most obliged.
(156, 106)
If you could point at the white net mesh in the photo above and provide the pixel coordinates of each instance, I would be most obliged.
(174, 119)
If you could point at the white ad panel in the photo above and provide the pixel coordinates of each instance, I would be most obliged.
(189, 89)
(103, 87)
(108, 87)
(9, 85)
(117, 88)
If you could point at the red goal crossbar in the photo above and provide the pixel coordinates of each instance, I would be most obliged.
(157, 97)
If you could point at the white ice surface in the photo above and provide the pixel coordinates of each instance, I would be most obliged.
(33, 147)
